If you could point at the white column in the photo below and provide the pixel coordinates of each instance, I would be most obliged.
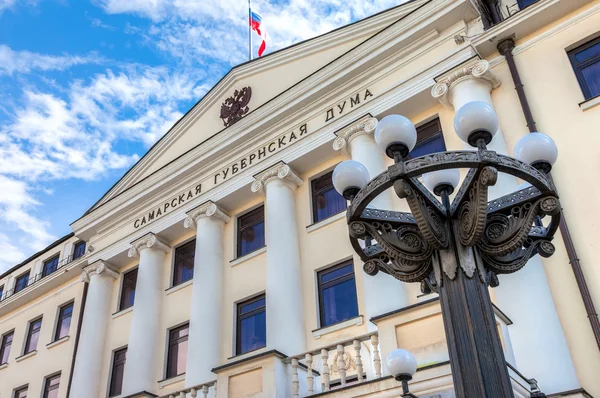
(146, 334)
(539, 344)
(90, 351)
(285, 312)
(205, 334)
(382, 292)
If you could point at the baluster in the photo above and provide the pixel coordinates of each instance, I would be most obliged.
(325, 375)
(205, 391)
(376, 357)
(359, 365)
(295, 382)
(310, 377)
(194, 393)
(171, 396)
(341, 364)
(182, 394)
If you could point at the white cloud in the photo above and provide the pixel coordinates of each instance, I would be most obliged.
(24, 61)
(11, 255)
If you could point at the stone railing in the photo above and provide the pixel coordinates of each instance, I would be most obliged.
(201, 390)
(313, 372)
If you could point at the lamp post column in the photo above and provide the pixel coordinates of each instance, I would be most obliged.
(88, 363)
(382, 292)
(285, 310)
(204, 343)
(144, 337)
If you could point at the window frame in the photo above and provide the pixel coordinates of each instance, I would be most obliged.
(1, 292)
(578, 66)
(112, 371)
(48, 379)
(20, 389)
(3, 347)
(123, 279)
(313, 195)
(59, 316)
(73, 258)
(326, 285)
(29, 334)
(24, 274)
(240, 317)
(174, 343)
(238, 230)
(424, 125)
(174, 261)
(56, 258)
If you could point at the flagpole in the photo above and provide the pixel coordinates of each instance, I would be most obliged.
(250, 29)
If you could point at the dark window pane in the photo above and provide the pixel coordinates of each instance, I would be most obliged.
(21, 393)
(591, 74)
(326, 200)
(431, 146)
(128, 290)
(337, 294)
(251, 232)
(251, 325)
(588, 53)
(184, 263)
(246, 308)
(64, 321)
(33, 335)
(5, 348)
(51, 387)
(525, 3)
(1, 292)
(50, 266)
(327, 276)
(118, 367)
(79, 250)
(177, 356)
(22, 282)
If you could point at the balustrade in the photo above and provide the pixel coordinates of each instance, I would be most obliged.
(198, 391)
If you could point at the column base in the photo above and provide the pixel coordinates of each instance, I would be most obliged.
(141, 394)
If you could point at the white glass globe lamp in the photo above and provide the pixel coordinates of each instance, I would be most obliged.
(395, 135)
(475, 121)
(538, 150)
(442, 181)
(349, 177)
(401, 364)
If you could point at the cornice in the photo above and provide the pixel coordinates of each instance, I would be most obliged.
(207, 209)
(279, 171)
(98, 268)
(147, 241)
(365, 125)
(475, 69)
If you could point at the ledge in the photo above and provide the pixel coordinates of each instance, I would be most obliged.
(58, 342)
(248, 359)
(177, 288)
(25, 356)
(142, 394)
(4, 366)
(248, 256)
(325, 222)
(172, 380)
(122, 312)
(589, 104)
(410, 307)
(356, 321)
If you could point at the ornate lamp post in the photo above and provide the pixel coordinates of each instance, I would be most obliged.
(402, 364)
(456, 248)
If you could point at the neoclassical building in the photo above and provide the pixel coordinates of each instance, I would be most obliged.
(220, 265)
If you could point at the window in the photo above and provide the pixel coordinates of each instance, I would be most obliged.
(128, 289)
(21, 392)
(1, 291)
(430, 139)
(251, 325)
(525, 3)
(326, 201)
(586, 63)
(177, 355)
(184, 263)
(251, 231)
(5, 347)
(51, 386)
(337, 294)
(64, 321)
(116, 375)
(22, 282)
(78, 250)
(33, 335)
(50, 266)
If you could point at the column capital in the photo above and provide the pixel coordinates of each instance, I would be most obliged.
(279, 171)
(207, 209)
(98, 268)
(147, 241)
(475, 69)
(364, 125)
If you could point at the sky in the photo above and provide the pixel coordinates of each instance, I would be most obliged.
(87, 86)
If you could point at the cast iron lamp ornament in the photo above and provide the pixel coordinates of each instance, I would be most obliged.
(402, 364)
(456, 248)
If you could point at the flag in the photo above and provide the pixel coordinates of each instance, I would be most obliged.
(256, 25)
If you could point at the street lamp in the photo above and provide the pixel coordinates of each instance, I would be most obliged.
(456, 248)
(402, 365)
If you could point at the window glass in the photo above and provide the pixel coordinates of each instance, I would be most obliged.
(525, 3)
(251, 325)
(5, 347)
(128, 289)
(1, 292)
(21, 392)
(184, 263)
(591, 74)
(33, 334)
(50, 266)
(337, 294)
(51, 387)
(177, 356)
(79, 250)
(118, 368)
(326, 200)
(430, 139)
(586, 64)
(251, 231)
(22, 282)
(64, 321)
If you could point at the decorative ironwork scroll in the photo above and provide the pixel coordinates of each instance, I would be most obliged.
(236, 107)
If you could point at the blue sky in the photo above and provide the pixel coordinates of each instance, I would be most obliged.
(87, 86)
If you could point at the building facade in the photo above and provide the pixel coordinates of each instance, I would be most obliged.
(220, 264)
